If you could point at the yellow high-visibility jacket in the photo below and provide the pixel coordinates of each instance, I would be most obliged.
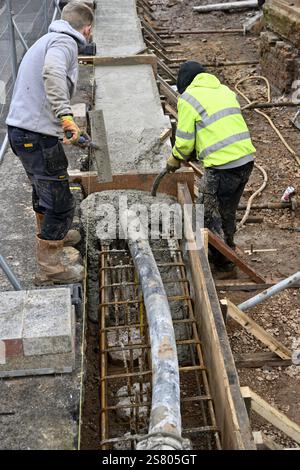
(210, 122)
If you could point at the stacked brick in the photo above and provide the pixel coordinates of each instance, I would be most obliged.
(279, 61)
(280, 44)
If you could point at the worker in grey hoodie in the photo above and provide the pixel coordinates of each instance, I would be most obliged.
(39, 118)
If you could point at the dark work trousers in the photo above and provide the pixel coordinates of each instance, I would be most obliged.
(220, 191)
(45, 163)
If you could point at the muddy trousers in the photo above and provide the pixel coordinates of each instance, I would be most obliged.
(220, 191)
(46, 164)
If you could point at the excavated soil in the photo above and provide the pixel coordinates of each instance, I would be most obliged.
(279, 315)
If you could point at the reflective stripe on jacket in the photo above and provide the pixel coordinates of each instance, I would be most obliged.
(210, 121)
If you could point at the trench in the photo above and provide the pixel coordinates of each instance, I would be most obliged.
(118, 375)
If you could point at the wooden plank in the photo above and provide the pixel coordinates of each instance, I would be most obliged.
(139, 59)
(101, 154)
(217, 243)
(167, 91)
(140, 181)
(166, 134)
(260, 359)
(230, 410)
(205, 240)
(264, 442)
(256, 330)
(171, 111)
(274, 416)
(247, 399)
(270, 444)
(166, 69)
(246, 285)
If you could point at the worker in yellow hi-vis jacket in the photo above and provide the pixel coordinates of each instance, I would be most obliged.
(212, 129)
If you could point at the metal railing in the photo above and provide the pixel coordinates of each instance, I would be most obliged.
(14, 35)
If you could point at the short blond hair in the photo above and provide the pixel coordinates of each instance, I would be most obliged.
(77, 14)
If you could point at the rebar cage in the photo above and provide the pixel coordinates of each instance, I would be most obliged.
(125, 353)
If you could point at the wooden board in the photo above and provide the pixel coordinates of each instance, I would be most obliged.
(259, 360)
(256, 330)
(139, 59)
(166, 69)
(217, 243)
(139, 181)
(101, 154)
(246, 285)
(169, 109)
(273, 416)
(230, 410)
(167, 91)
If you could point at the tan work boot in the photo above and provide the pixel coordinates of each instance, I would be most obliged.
(56, 264)
(72, 238)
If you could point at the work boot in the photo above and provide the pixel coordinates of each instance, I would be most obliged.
(226, 270)
(56, 264)
(72, 238)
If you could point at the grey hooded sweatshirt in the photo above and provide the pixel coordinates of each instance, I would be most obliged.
(46, 81)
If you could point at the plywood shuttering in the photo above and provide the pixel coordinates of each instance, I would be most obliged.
(230, 410)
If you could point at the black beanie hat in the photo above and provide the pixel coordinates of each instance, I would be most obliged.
(187, 73)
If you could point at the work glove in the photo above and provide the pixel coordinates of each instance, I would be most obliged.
(71, 130)
(173, 164)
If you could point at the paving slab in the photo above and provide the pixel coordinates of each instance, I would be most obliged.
(36, 332)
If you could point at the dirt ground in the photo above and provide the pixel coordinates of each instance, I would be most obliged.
(279, 315)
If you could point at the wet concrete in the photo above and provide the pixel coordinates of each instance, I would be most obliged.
(134, 119)
(128, 95)
(101, 210)
(117, 29)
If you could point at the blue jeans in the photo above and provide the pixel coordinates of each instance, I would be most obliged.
(45, 163)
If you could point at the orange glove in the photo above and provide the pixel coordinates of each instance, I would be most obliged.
(71, 130)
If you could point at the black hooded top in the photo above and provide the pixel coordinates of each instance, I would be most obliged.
(187, 73)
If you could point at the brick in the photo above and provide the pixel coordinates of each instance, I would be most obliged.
(13, 348)
(279, 61)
